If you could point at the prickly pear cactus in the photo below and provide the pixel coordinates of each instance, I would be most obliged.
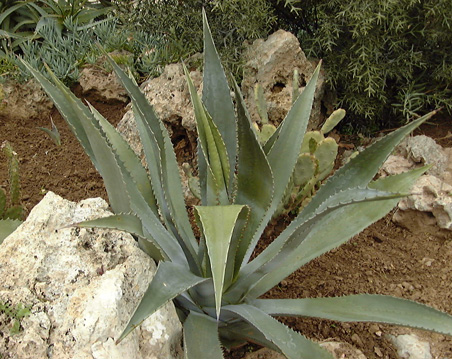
(315, 163)
(267, 129)
(317, 154)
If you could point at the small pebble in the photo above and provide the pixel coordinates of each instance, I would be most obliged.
(377, 351)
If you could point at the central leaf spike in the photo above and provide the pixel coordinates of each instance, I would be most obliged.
(218, 223)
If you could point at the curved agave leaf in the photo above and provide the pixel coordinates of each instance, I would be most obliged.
(362, 308)
(128, 223)
(201, 337)
(357, 173)
(239, 332)
(287, 146)
(254, 178)
(330, 231)
(217, 98)
(256, 273)
(290, 343)
(89, 133)
(218, 224)
(129, 159)
(235, 254)
(212, 146)
(162, 165)
(308, 220)
(360, 170)
(171, 248)
(117, 179)
(169, 281)
(171, 204)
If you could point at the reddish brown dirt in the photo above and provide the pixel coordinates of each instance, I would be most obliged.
(383, 259)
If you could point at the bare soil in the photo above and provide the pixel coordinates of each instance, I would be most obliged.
(383, 259)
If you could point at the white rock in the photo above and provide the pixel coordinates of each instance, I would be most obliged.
(20, 101)
(410, 347)
(271, 63)
(95, 81)
(342, 350)
(82, 285)
(430, 194)
(395, 165)
(424, 150)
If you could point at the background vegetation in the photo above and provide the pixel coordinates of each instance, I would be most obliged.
(389, 61)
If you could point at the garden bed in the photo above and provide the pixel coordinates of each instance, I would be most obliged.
(383, 259)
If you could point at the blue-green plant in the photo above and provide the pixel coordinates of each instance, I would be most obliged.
(11, 211)
(212, 281)
(64, 52)
(52, 132)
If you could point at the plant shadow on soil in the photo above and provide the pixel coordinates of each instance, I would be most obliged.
(383, 259)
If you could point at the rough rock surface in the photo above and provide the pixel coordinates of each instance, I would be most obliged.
(431, 202)
(104, 85)
(271, 63)
(98, 82)
(423, 150)
(409, 346)
(343, 350)
(82, 286)
(430, 194)
(24, 101)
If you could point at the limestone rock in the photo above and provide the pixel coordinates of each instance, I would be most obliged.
(98, 83)
(271, 63)
(343, 350)
(394, 165)
(82, 285)
(24, 101)
(430, 194)
(424, 150)
(409, 346)
(430, 204)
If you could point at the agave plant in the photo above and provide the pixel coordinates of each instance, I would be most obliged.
(214, 280)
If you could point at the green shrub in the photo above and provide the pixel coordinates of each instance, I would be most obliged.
(179, 23)
(388, 60)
